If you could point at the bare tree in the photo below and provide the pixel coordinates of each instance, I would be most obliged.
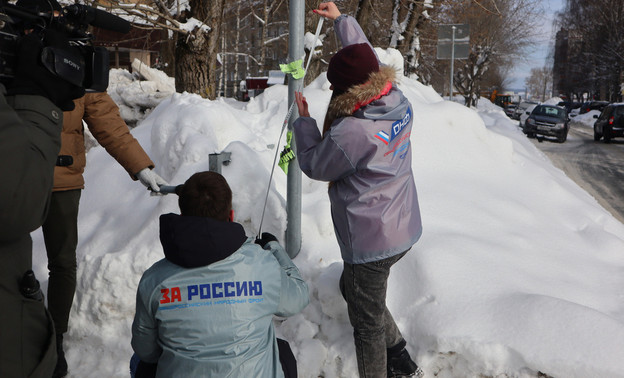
(540, 82)
(499, 30)
(269, 8)
(196, 53)
(196, 25)
(590, 44)
(409, 18)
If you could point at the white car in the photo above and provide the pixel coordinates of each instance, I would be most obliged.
(522, 107)
(526, 114)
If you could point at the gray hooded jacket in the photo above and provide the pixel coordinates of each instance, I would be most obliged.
(366, 154)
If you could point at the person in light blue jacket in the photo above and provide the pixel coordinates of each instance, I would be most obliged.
(364, 151)
(207, 308)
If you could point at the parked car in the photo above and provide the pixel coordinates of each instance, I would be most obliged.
(610, 123)
(592, 105)
(570, 106)
(526, 114)
(510, 109)
(574, 112)
(521, 108)
(548, 120)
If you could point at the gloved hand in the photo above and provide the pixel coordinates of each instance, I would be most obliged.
(266, 237)
(32, 78)
(150, 179)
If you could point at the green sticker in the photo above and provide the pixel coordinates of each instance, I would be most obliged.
(294, 68)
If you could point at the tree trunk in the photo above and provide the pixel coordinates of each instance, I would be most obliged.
(363, 16)
(236, 43)
(196, 54)
(409, 46)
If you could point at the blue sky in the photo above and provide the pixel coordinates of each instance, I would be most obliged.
(538, 53)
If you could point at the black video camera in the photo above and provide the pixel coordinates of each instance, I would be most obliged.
(82, 64)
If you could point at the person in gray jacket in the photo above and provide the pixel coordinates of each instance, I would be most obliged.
(365, 154)
(207, 308)
(30, 126)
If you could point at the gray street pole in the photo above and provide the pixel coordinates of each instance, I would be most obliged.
(293, 189)
(452, 62)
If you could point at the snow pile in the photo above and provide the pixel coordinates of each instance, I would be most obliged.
(136, 96)
(586, 120)
(519, 271)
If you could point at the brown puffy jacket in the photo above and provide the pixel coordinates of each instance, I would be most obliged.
(101, 115)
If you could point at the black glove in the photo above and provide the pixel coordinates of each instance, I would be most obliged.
(32, 78)
(266, 237)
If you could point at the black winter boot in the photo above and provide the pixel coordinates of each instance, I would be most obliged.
(400, 363)
(60, 370)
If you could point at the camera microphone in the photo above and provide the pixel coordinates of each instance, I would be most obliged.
(98, 18)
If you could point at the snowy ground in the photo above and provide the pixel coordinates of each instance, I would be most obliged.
(519, 271)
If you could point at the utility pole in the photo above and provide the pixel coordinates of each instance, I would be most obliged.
(293, 189)
(452, 61)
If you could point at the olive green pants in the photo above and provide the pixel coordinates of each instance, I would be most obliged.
(60, 234)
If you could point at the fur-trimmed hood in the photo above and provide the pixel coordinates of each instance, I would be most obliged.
(361, 101)
(357, 96)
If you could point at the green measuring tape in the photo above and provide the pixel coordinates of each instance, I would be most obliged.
(287, 154)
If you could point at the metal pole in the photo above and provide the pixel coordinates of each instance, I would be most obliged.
(452, 63)
(293, 189)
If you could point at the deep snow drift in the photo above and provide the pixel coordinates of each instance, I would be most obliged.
(518, 271)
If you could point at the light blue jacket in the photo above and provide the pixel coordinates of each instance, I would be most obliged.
(367, 157)
(214, 320)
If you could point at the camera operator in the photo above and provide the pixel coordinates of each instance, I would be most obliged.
(101, 115)
(31, 118)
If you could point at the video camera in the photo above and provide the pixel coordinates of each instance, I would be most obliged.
(82, 64)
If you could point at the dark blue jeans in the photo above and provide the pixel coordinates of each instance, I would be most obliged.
(364, 288)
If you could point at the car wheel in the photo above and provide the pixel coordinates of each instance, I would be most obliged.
(597, 135)
(562, 137)
(530, 135)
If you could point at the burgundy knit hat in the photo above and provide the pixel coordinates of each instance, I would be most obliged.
(351, 66)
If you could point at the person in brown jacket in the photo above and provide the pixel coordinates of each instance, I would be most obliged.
(60, 229)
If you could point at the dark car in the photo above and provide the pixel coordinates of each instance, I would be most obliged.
(610, 123)
(547, 120)
(569, 105)
(592, 105)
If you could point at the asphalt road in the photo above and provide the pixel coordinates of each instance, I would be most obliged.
(597, 167)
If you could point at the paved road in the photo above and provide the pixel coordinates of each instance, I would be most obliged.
(595, 166)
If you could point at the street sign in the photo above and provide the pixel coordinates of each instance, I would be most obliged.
(457, 47)
(462, 51)
(462, 32)
(453, 43)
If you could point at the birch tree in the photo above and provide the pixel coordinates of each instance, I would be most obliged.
(269, 9)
